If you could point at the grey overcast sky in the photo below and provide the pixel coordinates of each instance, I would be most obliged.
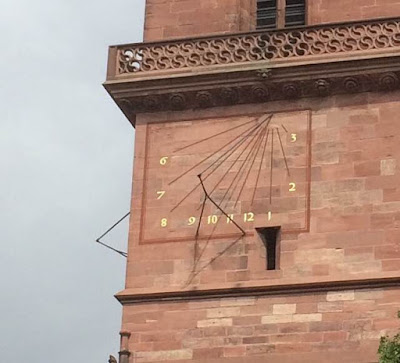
(66, 162)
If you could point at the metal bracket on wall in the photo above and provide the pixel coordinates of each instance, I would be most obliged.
(122, 253)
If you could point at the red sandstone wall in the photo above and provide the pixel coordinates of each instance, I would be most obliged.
(332, 11)
(355, 219)
(328, 327)
(354, 234)
(187, 18)
(354, 225)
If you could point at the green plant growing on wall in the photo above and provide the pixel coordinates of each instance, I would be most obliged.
(389, 348)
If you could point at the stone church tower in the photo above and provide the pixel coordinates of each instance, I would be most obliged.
(265, 214)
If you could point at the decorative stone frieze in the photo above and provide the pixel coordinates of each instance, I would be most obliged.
(255, 67)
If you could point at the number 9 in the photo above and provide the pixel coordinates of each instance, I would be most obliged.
(191, 221)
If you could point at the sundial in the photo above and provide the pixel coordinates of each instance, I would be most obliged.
(222, 177)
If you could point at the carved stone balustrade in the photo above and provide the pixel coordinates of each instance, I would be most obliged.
(252, 67)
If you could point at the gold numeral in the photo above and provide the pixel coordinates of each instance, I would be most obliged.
(212, 219)
(292, 187)
(163, 160)
(230, 219)
(160, 194)
(293, 137)
(164, 222)
(248, 217)
(191, 221)
(269, 215)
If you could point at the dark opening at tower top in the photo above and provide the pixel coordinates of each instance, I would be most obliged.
(273, 14)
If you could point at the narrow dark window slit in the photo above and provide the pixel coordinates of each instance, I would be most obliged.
(270, 236)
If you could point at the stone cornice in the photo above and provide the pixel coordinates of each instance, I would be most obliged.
(137, 297)
(255, 67)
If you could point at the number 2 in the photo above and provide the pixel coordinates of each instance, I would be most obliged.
(292, 187)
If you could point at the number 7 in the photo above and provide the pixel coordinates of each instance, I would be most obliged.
(160, 194)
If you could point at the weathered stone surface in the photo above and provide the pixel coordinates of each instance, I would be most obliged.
(352, 229)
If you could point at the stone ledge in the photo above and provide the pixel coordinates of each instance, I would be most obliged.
(130, 297)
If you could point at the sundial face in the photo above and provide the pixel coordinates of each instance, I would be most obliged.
(223, 177)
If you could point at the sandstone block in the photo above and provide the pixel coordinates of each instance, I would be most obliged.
(238, 302)
(284, 309)
(276, 319)
(330, 307)
(388, 166)
(223, 312)
(340, 295)
(299, 318)
(164, 355)
(214, 322)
